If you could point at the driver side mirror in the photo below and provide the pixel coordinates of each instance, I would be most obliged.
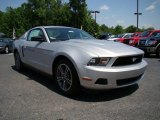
(38, 39)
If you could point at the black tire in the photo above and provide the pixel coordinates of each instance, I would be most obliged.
(66, 78)
(158, 52)
(18, 62)
(6, 50)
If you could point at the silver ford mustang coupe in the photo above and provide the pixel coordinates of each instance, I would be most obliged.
(74, 58)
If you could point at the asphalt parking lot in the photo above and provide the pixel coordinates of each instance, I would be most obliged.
(32, 96)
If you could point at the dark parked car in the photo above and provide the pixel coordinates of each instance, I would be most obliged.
(104, 36)
(6, 45)
(150, 45)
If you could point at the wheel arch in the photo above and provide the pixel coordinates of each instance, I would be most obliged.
(15, 50)
(67, 57)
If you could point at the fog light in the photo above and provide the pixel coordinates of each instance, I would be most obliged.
(102, 81)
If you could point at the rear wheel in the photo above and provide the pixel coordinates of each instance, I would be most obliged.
(158, 51)
(18, 62)
(66, 77)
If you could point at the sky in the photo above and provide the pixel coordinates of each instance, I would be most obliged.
(115, 12)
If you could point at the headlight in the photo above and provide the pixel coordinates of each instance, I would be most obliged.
(151, 42)
(98, 61)
(131, 41)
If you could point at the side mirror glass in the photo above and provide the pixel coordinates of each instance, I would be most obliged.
(38, 38)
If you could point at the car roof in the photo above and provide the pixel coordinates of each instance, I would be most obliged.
(53, 27)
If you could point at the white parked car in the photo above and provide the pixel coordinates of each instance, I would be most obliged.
(74, 58)
(113, 38)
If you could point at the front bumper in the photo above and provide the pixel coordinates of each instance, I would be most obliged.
(148, 49)
(116, 76)
(2, 49)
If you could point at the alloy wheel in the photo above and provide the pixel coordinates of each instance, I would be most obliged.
(64, 77)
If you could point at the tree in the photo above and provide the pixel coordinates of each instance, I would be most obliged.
(79, 12)
(1, 15)
(8, 21)
(90, 26)
(150, 28)
(54, 12)
(104, 28)
(59, 14)
(131, 29)
(38, 11)
(118, 30)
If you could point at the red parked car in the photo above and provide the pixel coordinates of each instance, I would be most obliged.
(124, 36)
(127, 38)
(134, 40)
(136, 34)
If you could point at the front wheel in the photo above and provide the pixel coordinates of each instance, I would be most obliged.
(6, 50)
(66, 77)
(18, 62)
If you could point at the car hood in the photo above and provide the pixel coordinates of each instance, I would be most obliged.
(104, 48)
(2, 44)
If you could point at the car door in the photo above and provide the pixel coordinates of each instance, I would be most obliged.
(36, 53)
(29, 48)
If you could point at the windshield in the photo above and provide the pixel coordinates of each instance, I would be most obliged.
(144, 34)
(136, 34)
(113, 36)
(128, 36)
(120, 36)
(2, 40)
(157, 35)
(62, 34)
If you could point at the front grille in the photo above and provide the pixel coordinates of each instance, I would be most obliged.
(126, 41)
(142, 42)
(128, 60)
(128, 81)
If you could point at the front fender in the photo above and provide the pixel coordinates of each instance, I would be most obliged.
(79, 58)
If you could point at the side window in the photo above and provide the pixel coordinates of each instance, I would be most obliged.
(35, 33)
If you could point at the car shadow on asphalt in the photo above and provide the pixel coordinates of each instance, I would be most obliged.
(85, 95)
(106, 95)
